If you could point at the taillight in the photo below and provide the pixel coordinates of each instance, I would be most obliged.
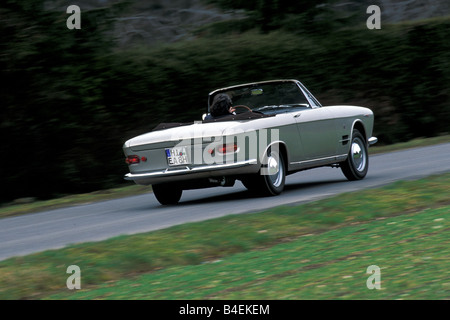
(132, 160)
(228, 148)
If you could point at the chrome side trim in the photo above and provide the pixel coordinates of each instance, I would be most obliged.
(334, 158)
(372, 141)
(184, 170)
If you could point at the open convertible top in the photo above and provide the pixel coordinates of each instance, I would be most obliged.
(231, 117)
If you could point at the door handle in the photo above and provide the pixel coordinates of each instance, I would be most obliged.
(297, 115)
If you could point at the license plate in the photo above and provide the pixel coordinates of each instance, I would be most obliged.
(177, 156)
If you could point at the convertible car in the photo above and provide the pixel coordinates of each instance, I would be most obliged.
(277, 128)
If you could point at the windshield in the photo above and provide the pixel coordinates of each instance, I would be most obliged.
(274, 97)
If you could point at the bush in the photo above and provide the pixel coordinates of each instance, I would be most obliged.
(71, 99)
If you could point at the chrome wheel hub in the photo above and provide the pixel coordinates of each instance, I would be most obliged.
(358, 155)
(275, 171)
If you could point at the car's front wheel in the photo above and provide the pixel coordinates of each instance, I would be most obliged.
(357, 163)
(167, 193)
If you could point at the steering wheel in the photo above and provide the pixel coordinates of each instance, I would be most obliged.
(243, 106)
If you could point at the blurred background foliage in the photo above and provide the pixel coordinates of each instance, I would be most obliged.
(71, 98)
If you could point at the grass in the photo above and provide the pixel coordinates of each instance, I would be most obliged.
(316, 250)
(410, 250)
(415, 143)
(18, 208)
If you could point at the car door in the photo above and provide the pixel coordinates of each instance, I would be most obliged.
(316, 127)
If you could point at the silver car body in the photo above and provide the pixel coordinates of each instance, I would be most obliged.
(308, 135)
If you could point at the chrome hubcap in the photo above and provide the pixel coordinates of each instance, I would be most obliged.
(275, 171)
(358, 154)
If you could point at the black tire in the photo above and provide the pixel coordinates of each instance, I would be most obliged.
(167, 193)
(357, 163)
(264, 183)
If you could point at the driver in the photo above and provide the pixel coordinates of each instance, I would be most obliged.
(221, 106)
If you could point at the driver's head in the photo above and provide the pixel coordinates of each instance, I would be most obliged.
(221, 105)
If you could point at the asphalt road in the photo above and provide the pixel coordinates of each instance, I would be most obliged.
(35, 232)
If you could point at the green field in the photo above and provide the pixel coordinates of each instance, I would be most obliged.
(319, 250)
(412, 252)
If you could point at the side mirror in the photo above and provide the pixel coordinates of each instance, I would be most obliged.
(204, 116)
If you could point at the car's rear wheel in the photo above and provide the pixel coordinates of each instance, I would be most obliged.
(357, 163)
(167, 193)
(270, 180)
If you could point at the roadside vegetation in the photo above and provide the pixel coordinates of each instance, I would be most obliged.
(316, 250)
(73, 97)
(410, 251)
(414, 143)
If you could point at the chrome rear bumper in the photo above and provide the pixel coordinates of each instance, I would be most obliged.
(186, 172)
